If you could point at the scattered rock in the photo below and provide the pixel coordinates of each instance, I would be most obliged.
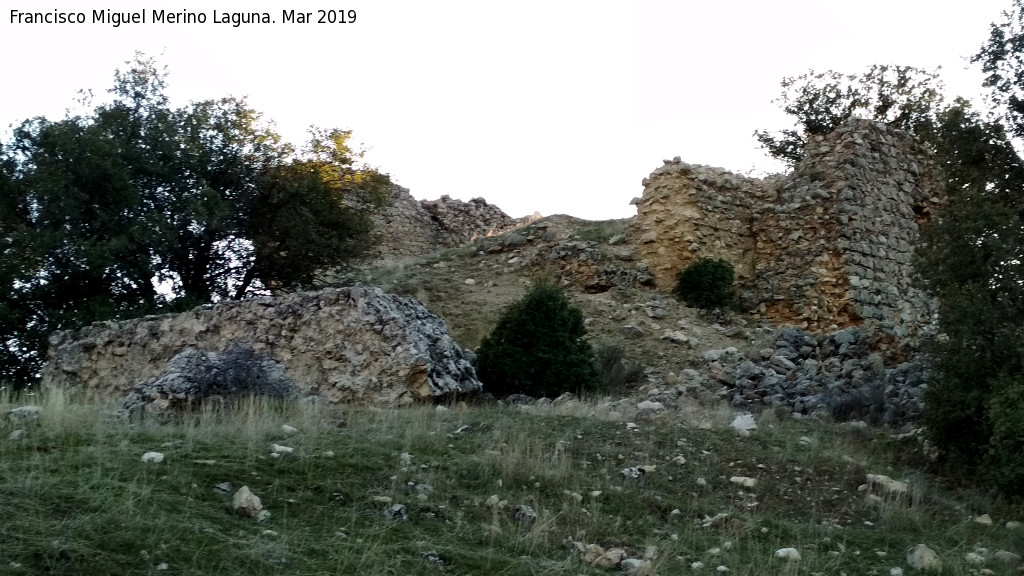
(744, 423)
(635, 567)
(289, 430)
(153, 457)
(24, 414)
(279, 449)
(245, 503)
(886, 485)
(744, 481)
(984, 520)
(1006, 557)
(924, 558)
(17, 435)
(788, 554)
(396, 512)
(974, 558)
(523, 514)
(432, 556)
(648, 410)
(675, 337)
(599, 558)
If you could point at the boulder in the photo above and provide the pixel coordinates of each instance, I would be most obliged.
(354, 345)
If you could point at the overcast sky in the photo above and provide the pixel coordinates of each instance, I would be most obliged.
(556, 107)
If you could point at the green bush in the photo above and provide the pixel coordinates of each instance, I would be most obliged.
(537, 348)
(707, 283)
(1005, 457)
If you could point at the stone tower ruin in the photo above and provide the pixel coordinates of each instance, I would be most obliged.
(826, 246)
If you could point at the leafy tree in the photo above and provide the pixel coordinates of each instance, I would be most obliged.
(538, 347)
(136, 207)
(970, 258)
(902, 96)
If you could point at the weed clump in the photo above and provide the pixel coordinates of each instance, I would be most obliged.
(707, 283)
(537, 348)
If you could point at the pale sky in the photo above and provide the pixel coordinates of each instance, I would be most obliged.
(555, 107)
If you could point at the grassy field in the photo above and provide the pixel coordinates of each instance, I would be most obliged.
(76, 498)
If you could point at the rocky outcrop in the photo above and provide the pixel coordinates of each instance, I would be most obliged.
(353, 345)
(828, 246)
(410, 227)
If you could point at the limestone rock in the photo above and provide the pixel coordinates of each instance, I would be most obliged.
(924, 558)
(354, 345)
(396, 512)
(17, 435)
(24, 414)
(744, 481)
(887, 485)
(245, 503)
(743, 423)
(524, 514)
(636, 567)
(1006, 557)
(788, 554)
(603, 559)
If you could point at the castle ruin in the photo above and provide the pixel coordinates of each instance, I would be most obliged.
(825, 247)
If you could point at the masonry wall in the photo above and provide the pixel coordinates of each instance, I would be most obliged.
(827, 246)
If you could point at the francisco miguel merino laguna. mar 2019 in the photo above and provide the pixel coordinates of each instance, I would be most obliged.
(116, 19)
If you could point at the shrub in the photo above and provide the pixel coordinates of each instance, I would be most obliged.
(1005, 457)
(707, 283)
(537, 347)
(614, 372)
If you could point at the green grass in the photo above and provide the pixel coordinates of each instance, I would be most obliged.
(76, 499)
(602, 231)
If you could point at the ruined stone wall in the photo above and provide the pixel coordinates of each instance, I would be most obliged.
(352, 345)
(824, 247)
(688, 211)
(410, 227)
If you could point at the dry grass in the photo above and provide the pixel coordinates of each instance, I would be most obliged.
(77, 499)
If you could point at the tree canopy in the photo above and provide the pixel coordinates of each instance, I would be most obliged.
(137, 207)
(902, 96)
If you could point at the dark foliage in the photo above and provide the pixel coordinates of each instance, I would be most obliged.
(902, 96)
(537, 348)
(136, 207)
(707, 283)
